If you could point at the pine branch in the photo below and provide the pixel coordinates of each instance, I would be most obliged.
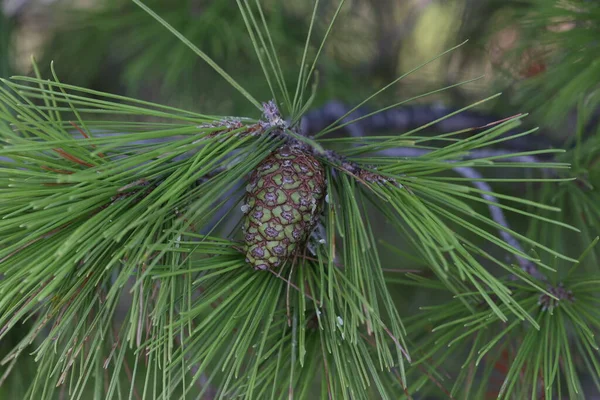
(272, 131)
(333, 111)
(121, 210)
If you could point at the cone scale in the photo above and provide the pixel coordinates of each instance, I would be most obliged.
(283, 203)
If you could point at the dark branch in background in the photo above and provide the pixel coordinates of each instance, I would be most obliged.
(507, 155)
(406, 118)
(12, 8)
(498, 216)
(389, 35)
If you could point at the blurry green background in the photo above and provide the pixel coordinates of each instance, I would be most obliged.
(114, 46)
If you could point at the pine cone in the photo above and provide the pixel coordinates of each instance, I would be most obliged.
(283, 203)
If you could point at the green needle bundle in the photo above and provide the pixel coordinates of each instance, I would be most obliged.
(151, 252)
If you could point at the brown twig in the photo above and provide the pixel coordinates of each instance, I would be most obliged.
(72, 158)
(85, 135)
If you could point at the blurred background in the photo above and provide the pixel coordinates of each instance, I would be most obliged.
(538, 53)
(543, 55)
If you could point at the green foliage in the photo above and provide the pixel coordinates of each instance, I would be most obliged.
(146, 54)
(578, 198)
(513, 359)
(558, 54)
(110, 252)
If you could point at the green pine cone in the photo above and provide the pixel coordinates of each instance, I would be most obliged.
(283, 203)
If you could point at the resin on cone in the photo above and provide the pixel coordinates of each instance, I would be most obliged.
(283, 203)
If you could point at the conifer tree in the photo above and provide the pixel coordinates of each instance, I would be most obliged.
(152, 252)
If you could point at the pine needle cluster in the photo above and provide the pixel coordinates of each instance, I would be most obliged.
(124, 274)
